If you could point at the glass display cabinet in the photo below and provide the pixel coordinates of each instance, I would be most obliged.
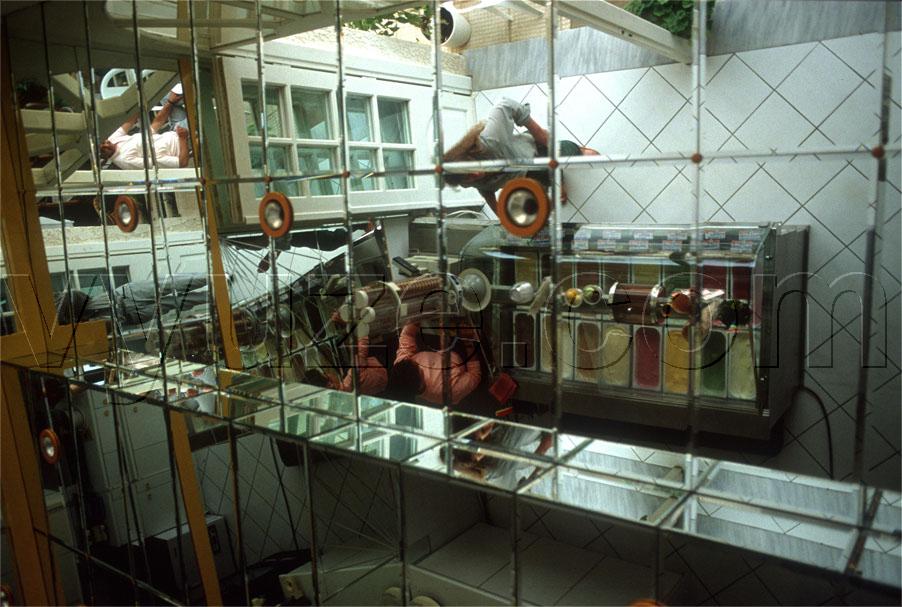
(649, 316)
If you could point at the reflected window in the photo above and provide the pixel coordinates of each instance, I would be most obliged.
(358, 110)
(319, 160)
(393, 121)
(397, 160)
(120, 276)
(91, 281)
(303, 140)
(360, 130)
(390, 151)
(289, 152)
(277, 155)
(362, 160)
(252, 115)
(311, 114)
(58, 281)
(395, 130)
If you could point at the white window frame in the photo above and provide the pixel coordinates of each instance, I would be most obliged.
(415, 90)
(380, 146)
(288, 139)
(383, 145)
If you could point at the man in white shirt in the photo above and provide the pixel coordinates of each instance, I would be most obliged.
(170, 148)
(496, 139)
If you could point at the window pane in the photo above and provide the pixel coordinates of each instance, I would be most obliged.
(249, 97)
(311, 114)
(278, 165)
(58, 282)
(393, 121)
(94, 281)
(358, 109)
(120, 276)
(393, 160)
(252, 110)
(317, 161)
(362, 160)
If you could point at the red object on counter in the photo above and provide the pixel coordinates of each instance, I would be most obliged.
(503, 388)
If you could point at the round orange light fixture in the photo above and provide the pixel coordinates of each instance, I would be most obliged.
(523, 207)
(276, 214)
(125, 213)
(49, 444)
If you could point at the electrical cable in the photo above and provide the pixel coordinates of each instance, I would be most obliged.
(826, 417)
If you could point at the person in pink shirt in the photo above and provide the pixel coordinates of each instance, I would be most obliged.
(372, 378)
(418, 374)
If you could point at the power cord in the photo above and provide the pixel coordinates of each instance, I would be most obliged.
(826, 417)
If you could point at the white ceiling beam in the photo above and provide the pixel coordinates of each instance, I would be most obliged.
(615, 21)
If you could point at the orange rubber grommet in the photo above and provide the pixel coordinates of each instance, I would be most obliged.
(49, 443)
(125, 213)
(523, 207)
(276, 214)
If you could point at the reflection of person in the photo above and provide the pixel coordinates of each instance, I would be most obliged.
(372, 378)
(419, 374)
(178, 116)
(495, 139)
(169, 148)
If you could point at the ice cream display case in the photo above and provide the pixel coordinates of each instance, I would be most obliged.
(647, 317)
